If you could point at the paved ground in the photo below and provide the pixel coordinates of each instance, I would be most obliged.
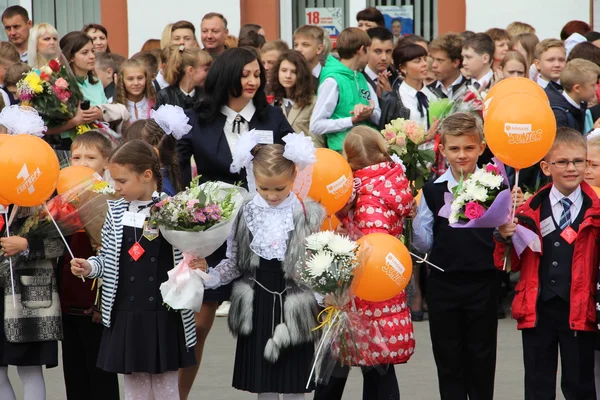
(417, 378)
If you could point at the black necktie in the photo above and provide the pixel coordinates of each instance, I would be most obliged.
(237, 122)
(557, 86)
(423, 103)
(288, 107)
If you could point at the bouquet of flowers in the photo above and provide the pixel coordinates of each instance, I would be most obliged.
(331, 264)
(404, 138)
(475, 195)
(484, 200)
(469, 100)
(53, 92)
(196, 221)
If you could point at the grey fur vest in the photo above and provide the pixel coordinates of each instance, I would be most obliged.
(299, 305)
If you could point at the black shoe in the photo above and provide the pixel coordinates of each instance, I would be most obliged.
(501, 314)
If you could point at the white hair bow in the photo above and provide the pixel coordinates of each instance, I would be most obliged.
(300, 149)
(172, 120)
(18, 120)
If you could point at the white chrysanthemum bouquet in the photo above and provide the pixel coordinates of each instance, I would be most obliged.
(474, 195)
(331, 265)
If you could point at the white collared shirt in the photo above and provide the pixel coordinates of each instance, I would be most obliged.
(557, 208)
(24, 57)
(571, 101)
(450, 90)
(142, 107)
(408, 94)
(232, 137)
(160, 78)
(191, 94)
(423, 222)
(287, 102)
(542, 82)
(486, 80)
(317, 70)
(371, 74)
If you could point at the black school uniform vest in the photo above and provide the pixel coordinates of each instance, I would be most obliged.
(557, 258)
(457, 249)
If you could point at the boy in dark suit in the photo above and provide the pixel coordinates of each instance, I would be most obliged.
(554, 302)
(579, 80)
(377, 72)
(462, 300)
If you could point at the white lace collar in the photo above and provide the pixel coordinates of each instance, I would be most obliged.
(270, 226)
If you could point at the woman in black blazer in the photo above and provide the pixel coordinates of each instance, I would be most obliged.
(234, 102)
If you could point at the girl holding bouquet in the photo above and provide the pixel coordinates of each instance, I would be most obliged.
(135, 90)
(272, 317)
(381, 202)
(142, 338)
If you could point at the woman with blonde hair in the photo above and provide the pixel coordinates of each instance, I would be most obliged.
(165, 39)
(43, 45)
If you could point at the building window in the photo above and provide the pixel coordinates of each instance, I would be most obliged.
(66, 15)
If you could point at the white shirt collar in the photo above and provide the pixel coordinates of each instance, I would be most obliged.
(287, 101)
(441, 86)
(371, 74)
(139, 104)
(556, 196)
(449, 177)
(317, 70)
(247, 112)
(24, 57)
(542, 82)
(191, 94)
(406, 88)
(570, 100)
(486, 79)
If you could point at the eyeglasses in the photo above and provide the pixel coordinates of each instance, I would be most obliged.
(563, 164)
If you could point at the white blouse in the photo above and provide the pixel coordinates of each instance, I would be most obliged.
(139, 110)
(231, 132)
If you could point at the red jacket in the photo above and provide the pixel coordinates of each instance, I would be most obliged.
(584, 268)
(383, 199)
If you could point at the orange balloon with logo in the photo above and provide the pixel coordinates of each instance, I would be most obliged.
(72, 176)
(510, 86)
(330, 223)
(29, 170)
(520, 129)
(331, 181)
(385, 270)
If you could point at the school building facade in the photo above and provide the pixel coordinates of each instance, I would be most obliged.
(131, 22)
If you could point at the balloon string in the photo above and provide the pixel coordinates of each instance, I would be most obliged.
(425, 261)
(514, 211)
(12, 277)
(61, 235)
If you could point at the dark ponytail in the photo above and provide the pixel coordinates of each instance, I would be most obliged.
(139, 156)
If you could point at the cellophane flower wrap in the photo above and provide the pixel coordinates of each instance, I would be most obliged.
(332, 261)
(53, 91)
(196, 221)
(469, 100)
(75, 210)
(484, 200)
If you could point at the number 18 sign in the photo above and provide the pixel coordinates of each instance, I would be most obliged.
(330, 19)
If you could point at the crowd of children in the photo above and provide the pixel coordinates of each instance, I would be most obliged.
(216, 87)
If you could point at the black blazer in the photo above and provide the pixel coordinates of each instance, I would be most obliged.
(208, 144)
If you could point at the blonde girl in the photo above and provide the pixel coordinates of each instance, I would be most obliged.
(135, 90)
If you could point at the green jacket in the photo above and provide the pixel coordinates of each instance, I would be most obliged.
(353, 89)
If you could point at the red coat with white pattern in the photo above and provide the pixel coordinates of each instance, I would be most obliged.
(383, 200)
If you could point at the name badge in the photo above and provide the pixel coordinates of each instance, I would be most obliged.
(547, 226)
(264, 137)
(133, 219)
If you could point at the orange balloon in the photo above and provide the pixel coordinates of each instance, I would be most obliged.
(330, 223)
(3, 138)
(386, 270)
(29, 170)
(4, 202)
(510, 86)
(520, 129)
(72, 176)
(331, 181)
(596, 190)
